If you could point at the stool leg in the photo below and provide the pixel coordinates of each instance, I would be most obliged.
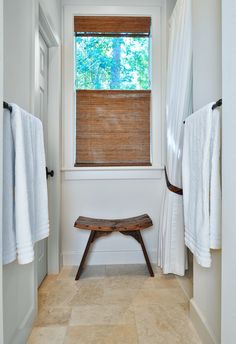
(145, 254)
(90, 240)
(137, 236)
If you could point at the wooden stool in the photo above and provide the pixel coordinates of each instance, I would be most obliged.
(98, 227)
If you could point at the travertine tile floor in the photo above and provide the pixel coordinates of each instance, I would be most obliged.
(112, 305)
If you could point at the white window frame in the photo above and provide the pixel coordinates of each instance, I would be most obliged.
(157, 95)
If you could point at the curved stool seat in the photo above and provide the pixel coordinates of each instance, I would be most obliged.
(101, 227)
(129, 224)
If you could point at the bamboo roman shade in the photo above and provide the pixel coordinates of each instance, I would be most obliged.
(112, 26)
(112, 128)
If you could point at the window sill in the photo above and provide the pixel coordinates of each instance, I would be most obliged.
(113, 165)
(115, 173)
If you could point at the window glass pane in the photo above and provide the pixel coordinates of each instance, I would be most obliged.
(112, 63)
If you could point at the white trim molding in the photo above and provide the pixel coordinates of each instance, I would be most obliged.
(46, 29)
(108, 257)
(133, 3)
(68, 102)
(112, 173)
(200, 324)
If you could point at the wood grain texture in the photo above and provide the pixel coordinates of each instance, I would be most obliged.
(129, 224)
(112, 24)
(112, 128)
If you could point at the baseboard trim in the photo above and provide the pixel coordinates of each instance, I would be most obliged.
(109, 257)
(60, 261)
(200, 325)
(23, 331)
(186, 285)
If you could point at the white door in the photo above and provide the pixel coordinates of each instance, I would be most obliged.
(43, 114)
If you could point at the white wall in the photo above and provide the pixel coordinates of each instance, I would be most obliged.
(19, 28)
(1, 176)
(17, 88)
(229, 173)
(116, 196)
(109, 199)
(205, 305)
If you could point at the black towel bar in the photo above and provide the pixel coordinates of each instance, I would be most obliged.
(7, 106)
(214, 106)
(217, 104)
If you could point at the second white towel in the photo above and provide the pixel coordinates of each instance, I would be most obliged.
(201, 183)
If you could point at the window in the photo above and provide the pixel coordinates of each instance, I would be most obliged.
(112, 82)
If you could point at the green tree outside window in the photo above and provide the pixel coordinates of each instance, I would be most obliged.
(112, 63)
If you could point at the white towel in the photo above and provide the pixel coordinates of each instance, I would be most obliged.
(8, 234)
(31, 205)
(215, 182)
(201, 183)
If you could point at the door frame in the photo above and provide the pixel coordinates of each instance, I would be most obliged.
(43, 26)
(41, 247)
